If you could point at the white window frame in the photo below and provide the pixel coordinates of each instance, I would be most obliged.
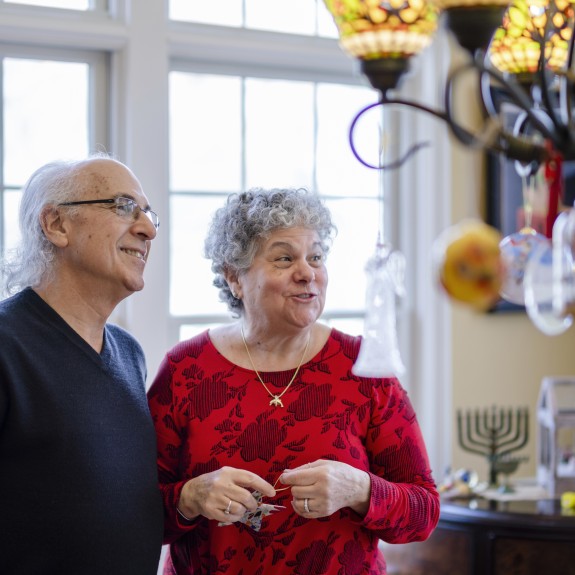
(246, 69)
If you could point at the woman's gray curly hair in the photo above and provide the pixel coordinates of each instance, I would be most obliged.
(237, 229)
(30, 263)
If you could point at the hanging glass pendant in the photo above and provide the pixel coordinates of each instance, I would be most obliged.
(516, 45)
(372, 29)
(379, 352)
(383, 35)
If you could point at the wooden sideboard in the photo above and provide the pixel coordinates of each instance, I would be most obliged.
(482, 537)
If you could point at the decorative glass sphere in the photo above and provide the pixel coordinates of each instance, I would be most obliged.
(468, 265)
(515, 251)
(540, 291)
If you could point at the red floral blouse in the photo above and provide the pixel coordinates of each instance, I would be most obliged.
(209, 413)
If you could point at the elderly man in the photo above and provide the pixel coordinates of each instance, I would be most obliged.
(78, 480)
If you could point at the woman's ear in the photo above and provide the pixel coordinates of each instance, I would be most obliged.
(231, 278)
(53, 226)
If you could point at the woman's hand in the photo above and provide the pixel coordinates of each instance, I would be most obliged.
(224, 495)
(320, 488)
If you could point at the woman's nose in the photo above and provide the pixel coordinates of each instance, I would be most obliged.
(305, 273)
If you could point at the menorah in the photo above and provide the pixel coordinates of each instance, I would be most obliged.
(495, 434)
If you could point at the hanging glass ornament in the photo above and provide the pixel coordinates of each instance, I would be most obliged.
(517, 248)
(379, 352)
(468, 265)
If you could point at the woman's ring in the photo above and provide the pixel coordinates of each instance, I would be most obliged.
(305, 506)
(227, 511)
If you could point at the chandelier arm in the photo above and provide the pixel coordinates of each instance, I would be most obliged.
(512, 90)
(571, 47)
(487, 95)
(566, 84)
(566, 100)
(493, 138)
(509, 144)
(544, 83)
(488, 138)
(412, 150)
(562, 120)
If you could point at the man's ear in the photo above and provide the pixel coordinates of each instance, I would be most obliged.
(54, 227)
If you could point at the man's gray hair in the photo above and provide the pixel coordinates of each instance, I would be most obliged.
(31, 262)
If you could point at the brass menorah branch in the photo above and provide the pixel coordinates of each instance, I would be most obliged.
(494, 433)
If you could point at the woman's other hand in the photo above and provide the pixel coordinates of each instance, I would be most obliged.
(224, 495)
(320, 488)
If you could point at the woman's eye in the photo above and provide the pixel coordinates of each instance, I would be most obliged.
(283, 262)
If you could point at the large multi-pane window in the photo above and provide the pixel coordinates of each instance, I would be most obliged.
(230, 133)
(54, 103)
(237, 119)
(48, 104)
(264, 128)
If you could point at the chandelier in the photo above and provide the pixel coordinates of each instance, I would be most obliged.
(521, 55)
(520, 51)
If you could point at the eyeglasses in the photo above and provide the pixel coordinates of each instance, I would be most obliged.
(126, 208)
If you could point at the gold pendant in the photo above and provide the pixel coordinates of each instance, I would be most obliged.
(276, 401)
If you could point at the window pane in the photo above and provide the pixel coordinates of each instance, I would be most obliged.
(279, 133)
(357, 221)
(72, 4)
(280, 143)
(352, 326)
(191, 289)
(325, 24)
(39, 130)
(295, 17)
(306, 17)
(205, 132)
(338, 170)
(223, 12)
(189, 330)
(10, 227)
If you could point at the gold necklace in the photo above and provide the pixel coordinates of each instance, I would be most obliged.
(276, 399)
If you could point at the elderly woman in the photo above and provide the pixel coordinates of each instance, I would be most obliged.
(273, 456)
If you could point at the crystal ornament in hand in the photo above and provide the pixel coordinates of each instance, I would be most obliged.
(254, 519)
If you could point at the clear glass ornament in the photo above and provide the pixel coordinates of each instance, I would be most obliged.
(516, 249)
(564, 263)
(379, 352)
(539, 289)
(550, 279)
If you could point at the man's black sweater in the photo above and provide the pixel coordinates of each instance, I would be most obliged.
(78, 479)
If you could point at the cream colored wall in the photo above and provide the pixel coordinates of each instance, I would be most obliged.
(498, 359)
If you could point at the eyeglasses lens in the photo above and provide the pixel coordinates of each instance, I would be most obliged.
(126, 207)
